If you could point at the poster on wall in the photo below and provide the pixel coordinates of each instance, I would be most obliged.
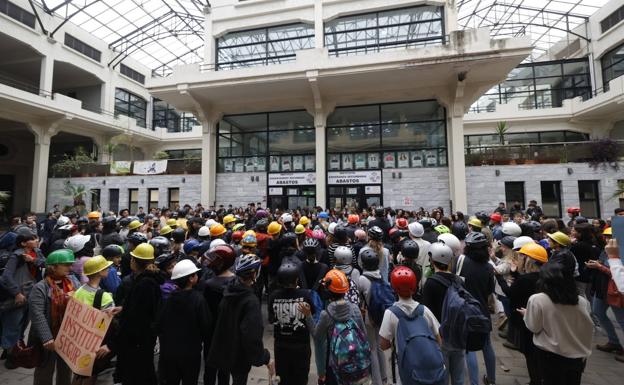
(441, 157)
(309, 162)
(227, 166)
(389, 160)
(120, 167)
(297, 163)
(431, 158)
(275, 163)
(373, 160)
(250, 164)
(404, 159)
(150, 167)
(360, 161)
(334, 162)
(260, 166)
(417, 160)
(347, 161)
(286, 163)
(238, 164)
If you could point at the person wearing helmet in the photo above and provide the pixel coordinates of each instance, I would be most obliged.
(454, 243)
(291, 336)
(183, 328)
(433, 294)
(382, 222)
(408, 256)
(301, 236)
(112, 253)
(110, 236)
(375, 243)
(312, 270)
(344, 262)
(161, 245)
(132, 241)
(339, 311)
(339, 238)
(165, 263)
(416, 231)
(353, 223)
(178, 236)
(559, 244)
(573, 212)
(47, 303)
(361, 239)
(237, 339)
(429, 234)
(82, 247)
(141, 298)
(479, 281)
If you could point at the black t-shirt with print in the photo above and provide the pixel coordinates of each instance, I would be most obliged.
(289, 322)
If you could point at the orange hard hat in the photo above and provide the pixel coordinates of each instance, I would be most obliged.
(353, 219)
(217, 230)
(336, 281)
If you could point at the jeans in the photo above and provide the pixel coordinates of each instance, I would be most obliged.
(454, 360)
(13, 324)
(490, 363)
(599, 308)
(559, 370)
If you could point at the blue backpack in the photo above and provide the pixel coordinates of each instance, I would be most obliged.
(381, 298)
(420, 359)
(349, 352)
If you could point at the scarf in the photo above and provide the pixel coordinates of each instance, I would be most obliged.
(59, 298)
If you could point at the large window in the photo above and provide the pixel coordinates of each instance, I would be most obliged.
(132, 74)
(526, 137)
(131, 105)
(174, 199)
(539, 85)
(133, 200)
(589, 198)
(165, 115)
(608, 22)
(95, 199)
(551, 198)
(185, 154)
(264, 46)
(17, 13)
(612, 65)
(82, 47)
(286, 140)
(113, 200)
(153, 196)
(514, 192)
(373, 32)
(393, 135)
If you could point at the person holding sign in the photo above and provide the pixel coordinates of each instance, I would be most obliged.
(46, 304)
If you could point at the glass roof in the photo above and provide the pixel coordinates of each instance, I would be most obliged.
(547, 22)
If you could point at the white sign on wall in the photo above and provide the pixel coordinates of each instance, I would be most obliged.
(292, 178)
(150, 167)
(370, 190)
(276, 191)
(353, 177)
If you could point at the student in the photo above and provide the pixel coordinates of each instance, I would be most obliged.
(237, 342)
(183, 327)
(165, 264)
(561, 324)
(375, 243)
(292, 338)
(408, 311)
(111, 282)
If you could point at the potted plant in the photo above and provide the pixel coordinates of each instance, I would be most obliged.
(84, 162)
(501, 129)
(159, 155)
(65, 167)
(605, 153)
(77, 193)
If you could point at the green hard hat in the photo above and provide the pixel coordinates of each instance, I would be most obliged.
(61, 256)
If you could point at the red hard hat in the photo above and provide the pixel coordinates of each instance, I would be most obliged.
(353, 219)
(574, 210)
(403, 281)
(237, 236)
(496, 217)
(402, 223)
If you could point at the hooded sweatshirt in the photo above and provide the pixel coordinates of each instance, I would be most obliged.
(237, 339)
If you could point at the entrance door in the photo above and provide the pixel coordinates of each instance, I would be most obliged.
(353, 197)
(7, 183)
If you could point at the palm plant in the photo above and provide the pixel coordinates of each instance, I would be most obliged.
(501, 130)
(4, 197)
(76, 192)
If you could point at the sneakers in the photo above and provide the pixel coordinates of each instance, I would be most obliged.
(486, 381)
(610, 348)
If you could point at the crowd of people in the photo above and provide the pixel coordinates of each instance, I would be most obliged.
(379, 296)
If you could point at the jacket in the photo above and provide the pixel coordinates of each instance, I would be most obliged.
(237, 339)
(17, 277)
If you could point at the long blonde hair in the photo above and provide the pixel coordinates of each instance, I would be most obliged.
(377, 247)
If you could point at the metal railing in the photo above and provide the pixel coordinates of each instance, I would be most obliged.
(174, 167)
(7, 81)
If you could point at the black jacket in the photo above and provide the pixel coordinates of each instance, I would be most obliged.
(237, 340)
(141, 308)
(479, 281)
(434, 292)
(523, 287)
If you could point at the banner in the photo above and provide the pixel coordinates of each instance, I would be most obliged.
(353, 177)
(81, 335)
(120, 167)
(150, 167)
(292, 179)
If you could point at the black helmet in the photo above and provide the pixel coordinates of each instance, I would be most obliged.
(340, 233)
(508, 241)
(161, 245)
(137, 238)
(580, 219)
(289, 240)
(410, 249)
(82, 220)
(178, 235)
(375, 233)
(262, 225)
(310, 244)
(288, 273)
(124, 222)
(476, 239)
(164, 260)
(379, 212)
(112, 251)
(426, 223)
(535, 225)
(369, 259)
(109, 222)
(483, 217)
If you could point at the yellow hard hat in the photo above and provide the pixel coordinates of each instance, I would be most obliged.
(535, 251)
(143, 251)
(165, 230)
(304, 220)
(274, 228)
(93, 215)
(238, 226)
(134, 225)
(217, 230)
(248, 232)
(228, 219)
(560, 238)
(95, 265)
(474, 221)
(171, 222)
(607, 231)
(299, 229)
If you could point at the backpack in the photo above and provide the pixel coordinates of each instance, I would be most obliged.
(381, 298)
(420, 359)
(349, 352)
(463, 324)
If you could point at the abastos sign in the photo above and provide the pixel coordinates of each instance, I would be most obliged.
(292, 178)
(354, 177)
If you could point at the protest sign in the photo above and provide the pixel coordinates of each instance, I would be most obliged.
(81, 335)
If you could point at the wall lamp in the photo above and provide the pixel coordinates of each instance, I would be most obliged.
(183, 180)
(393, 175)
(400, 175)
(104, 182)
(570, 171)
(497, 172)
(142, 181)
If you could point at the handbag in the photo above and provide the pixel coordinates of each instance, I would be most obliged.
(614, 297)
(26, 356)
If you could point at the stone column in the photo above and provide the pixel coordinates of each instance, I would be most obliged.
(46, 74)
(321, 159)
(319, 29)
(457, 162)
(209, 42)
(209, 162)
(43, 134)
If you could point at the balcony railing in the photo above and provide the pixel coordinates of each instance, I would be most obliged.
(7, 81)
(174, 167)
(539, 153)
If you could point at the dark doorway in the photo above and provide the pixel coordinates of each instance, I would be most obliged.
(7, 184)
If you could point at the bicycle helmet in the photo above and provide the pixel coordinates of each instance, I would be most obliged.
(160, 244)
(410, 249)
(288, 273)
(343, 255)
(375, 233)
(476, 239)
(137, 238)
(310, 244)
(247, 264)
(369, 259)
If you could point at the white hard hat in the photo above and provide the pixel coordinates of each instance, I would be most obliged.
(331, 227)
(204, 231)
(416, 229)
(77, 242)
(451, 241)
(62, 221)
(183, 268)
(510, 228)
(521, 241)
(217, 242)
(210, 223)
(286, 217)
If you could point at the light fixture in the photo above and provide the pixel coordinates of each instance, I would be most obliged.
(257, 178)
(393, 175)
(183, 180)
(142, 181)
(252, 178)
(400, 175)
(104, 182)
(570, 171)
(497, 172)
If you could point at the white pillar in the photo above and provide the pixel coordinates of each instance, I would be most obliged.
(46, 75)
(209, 163)
(209, 42)
(457, 162)
(321, 159)
(319, 31)
(43, 135)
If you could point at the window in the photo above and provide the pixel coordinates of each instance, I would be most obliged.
(608, 22)
(82, 47)
(131, 105)
(272, 45)
(174, 198)
(405, 134)
(526, 137)
(589, 198)
(95, 199)
(166, 116)
(514, 192)
(133, 200)
(185, 154)
(373, 32)
(132, 74)
(17, 13)
(286, 140)
(153, 196)
(612, 65)
(551, 198)
(113, 200)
